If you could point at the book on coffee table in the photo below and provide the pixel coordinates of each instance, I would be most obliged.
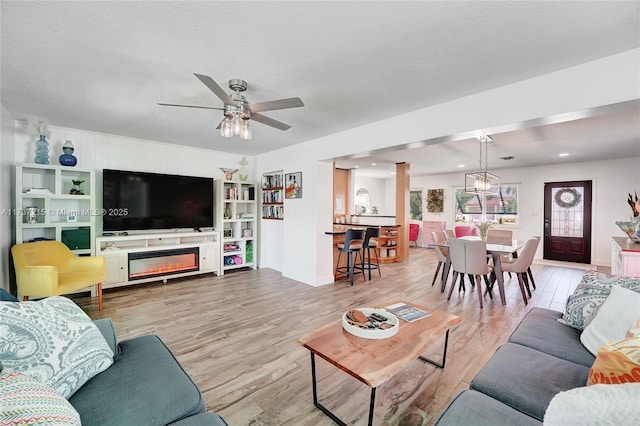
(406, 312)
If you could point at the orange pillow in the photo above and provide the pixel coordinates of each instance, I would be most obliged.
(618, 362)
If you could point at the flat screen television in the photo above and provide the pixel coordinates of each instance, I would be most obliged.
(142, 201)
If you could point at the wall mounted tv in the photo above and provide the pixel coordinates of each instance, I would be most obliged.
(142, 201)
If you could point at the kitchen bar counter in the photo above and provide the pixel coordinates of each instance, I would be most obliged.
(387, 250)
(341, 228)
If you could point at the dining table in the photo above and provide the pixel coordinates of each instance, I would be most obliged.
(495, 250)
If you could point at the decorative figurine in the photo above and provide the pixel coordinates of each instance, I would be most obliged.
(76, 190)
(67, 159)
(228, 173)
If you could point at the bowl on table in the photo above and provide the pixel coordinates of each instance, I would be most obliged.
(631, 228)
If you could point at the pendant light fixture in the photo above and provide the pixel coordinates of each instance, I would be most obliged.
(482, 182)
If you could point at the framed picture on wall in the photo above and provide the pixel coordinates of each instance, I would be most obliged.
(415, 204)
(435, 200)
(293, 185)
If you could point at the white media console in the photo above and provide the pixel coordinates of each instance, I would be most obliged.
(139, 258)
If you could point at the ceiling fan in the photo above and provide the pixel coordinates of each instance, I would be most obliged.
(238, 112)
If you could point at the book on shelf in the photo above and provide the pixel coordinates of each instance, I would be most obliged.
(406, 312)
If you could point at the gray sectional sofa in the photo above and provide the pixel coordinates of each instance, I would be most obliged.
(542, 358)
(145, 386)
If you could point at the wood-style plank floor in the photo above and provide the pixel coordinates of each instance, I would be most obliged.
(237, 337)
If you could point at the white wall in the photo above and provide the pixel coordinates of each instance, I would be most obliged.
(612, 180)
(7, 147)
(605, 81)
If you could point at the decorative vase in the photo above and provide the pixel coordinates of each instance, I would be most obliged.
(42, 151)
(67, 159)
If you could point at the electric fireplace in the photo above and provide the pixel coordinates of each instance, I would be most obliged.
(165, 262)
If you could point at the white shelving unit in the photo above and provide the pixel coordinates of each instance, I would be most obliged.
(273, 196)
(235, 218)
(134, 259)
(47, 189)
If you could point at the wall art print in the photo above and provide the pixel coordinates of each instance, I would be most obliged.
(293, 185)
(435, 200)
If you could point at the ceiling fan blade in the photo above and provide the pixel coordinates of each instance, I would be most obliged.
(191, 106)
(213, 86)
(279, 104)
(270, 121)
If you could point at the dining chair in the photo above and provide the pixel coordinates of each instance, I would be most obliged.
(465, 231)
(352, 246)
(438, 237)
(511, 259)
(449, 233)
(469, 257)
(521, 264)
(500, 236)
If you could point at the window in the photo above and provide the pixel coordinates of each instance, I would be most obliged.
(474, 207)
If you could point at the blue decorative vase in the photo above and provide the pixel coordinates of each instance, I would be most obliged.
(67, 159)
(42, 151)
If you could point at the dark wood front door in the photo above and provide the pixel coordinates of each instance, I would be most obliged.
(567, 221)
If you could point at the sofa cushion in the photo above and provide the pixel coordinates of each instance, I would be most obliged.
(26, 401)
(591, 292)
(540, 330)
(595, 405)
(54, 341)
(475, 408)
(145, 386)
(526, 379)
(108, 330)
(617, 362)
(616, 315)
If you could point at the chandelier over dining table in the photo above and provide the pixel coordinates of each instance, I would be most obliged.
(481, 181)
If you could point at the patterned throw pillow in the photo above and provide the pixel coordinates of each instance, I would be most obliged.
(53, 341)
(583, 304)
(25, 401)
(618, 362)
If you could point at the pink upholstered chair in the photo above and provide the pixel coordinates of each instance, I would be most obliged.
(465, 230)
(414, 230)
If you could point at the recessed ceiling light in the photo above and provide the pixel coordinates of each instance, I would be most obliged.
(460, 165)
(563, 154)
(357, 167)
(373, 164)
(392, 173)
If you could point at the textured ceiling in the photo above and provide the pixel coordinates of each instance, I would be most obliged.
(103, 66)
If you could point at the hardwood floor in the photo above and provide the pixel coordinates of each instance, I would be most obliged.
(237, 337)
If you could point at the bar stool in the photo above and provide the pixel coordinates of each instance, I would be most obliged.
(371, 243)
(353, 247)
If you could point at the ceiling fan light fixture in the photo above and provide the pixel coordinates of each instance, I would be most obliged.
(237, 125)
(247, 131)
(226, 129)
(237, 111)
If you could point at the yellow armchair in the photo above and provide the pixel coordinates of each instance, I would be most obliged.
(49, 268)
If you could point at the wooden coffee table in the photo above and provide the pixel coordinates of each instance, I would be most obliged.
(372, 361)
